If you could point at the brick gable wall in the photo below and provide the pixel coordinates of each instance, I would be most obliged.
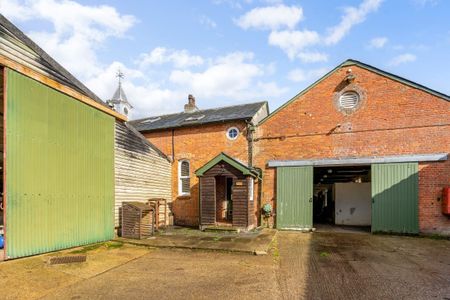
(393, 119)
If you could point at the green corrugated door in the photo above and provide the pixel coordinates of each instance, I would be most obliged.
(59, 170)
(294, 197)
(395, 198)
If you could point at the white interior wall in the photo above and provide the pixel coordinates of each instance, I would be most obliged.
(353, 202)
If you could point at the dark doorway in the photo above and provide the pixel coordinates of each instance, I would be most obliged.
(229, 198)
(342, 196)
(224, 195)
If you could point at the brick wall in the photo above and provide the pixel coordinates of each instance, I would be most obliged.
(199, 145)
(393, 119)
(433, 177)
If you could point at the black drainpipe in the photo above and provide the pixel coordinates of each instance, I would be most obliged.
(250, 130)
(173, 145)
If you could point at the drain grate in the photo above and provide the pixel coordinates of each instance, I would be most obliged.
(67, 259)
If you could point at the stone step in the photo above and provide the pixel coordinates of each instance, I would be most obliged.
(222, 229)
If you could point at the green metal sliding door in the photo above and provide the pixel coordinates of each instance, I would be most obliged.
(294, 197)
(395, 198)
(59, 170)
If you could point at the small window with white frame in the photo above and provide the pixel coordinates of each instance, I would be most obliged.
(184, 179)
(251, 183)
(232, 133)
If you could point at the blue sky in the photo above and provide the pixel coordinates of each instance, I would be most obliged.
(227, 52)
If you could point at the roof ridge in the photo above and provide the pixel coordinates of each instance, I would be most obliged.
(350, 62)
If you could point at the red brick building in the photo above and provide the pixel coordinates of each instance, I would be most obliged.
(193, 138)
(358, 147)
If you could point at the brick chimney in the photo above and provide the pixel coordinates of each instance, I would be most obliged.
(190, 106)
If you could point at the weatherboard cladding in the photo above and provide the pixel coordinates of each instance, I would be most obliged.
(221, 114)
(142, 172)
(16, 46)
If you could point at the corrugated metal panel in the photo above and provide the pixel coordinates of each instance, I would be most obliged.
(141, 171)
(395, 197)
(294, 197)
(60, 170)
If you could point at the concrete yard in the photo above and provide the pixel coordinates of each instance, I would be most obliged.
(324, 265)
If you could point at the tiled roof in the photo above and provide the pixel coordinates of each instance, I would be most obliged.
(213, 115)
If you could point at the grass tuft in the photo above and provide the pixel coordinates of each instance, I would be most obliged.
(324, 254)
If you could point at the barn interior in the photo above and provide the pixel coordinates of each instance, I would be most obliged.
(342, 196)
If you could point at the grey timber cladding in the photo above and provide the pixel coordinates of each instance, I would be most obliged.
(141, 170)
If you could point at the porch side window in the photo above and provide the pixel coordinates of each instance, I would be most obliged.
(184, 179)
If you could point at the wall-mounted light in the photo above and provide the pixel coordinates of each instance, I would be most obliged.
(350, 76)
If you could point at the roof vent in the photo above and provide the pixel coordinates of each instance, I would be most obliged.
(195, 118)
(349, 100)
(152, 120)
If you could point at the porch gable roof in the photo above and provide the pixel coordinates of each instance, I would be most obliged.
(231, 161)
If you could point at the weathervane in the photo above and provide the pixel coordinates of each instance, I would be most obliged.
(120, 75)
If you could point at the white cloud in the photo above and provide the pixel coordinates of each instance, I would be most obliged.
(299, 75)
(13, 9)
(207, 22)
(351, 17)
(312, 57)
(223, 80)
(283, 20)
(271, 17)
(402, 59)
(78, 30)
(161, 55)
(378, 42)
(292, 42)
(233, 75)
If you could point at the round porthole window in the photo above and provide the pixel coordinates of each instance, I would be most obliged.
(232, 133)
(125, 110)
(349, 100)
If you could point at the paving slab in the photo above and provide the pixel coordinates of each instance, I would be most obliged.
(254, 242)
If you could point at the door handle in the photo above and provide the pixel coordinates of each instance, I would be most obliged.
(310, 199)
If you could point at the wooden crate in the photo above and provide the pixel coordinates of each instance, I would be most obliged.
(161, 212)
(137, 220)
